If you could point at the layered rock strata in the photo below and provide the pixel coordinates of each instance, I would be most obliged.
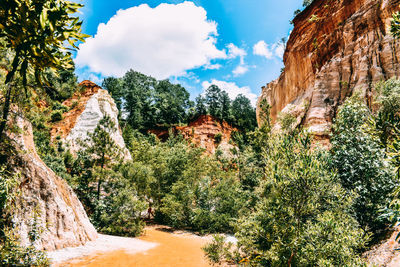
(337, 48)
(202, 132)
(60, 216)
(87, 109)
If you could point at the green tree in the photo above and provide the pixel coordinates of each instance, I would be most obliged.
(213, 100)
(225, 107)
(114, 87)
(244, 114)
(201, 108)
(361, 163)
(171, 103)
(395, 25)
(102, 148)
(36, 32)
(386, 121)
(303, 214)
(139, 92)
(119, 210)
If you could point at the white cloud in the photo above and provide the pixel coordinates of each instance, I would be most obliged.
(232, 89)
(212, 66)
(239, 70)
(261, 49)
(234, 51)
(279, 49)
(162, 41)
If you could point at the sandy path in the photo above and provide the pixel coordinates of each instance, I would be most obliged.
(161, 249)
(103, 244)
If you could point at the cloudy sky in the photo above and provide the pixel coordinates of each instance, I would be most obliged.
(235, 44)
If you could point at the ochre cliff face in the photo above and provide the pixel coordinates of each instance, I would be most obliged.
(337, 48)
(87, 108)
(202, 131)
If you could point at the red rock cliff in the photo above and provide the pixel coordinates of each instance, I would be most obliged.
(202, 132)
(337, 47)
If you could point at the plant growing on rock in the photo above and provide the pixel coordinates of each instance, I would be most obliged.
(12, 253)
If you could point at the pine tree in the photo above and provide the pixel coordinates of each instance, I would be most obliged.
(102, 147)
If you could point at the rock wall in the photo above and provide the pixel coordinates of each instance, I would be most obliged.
(337, 48)
(91, 106)
(201, 132)
(61, 215)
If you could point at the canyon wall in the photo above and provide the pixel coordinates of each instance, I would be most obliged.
(87, 107)
(201, 132)
(337, 48)
(60, 216)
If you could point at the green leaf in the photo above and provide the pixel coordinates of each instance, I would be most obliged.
(43, 18)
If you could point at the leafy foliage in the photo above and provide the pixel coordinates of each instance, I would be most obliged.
(12, 253)
(361, 163)
(395, 25)
(147, 103)
(35, 32)
(303, 215)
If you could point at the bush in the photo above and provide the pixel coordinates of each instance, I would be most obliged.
(56, 116)
(218, 138)
(361, 164)
(218, 249)
(303, 214)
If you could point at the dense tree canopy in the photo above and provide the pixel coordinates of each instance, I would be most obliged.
(146, 103)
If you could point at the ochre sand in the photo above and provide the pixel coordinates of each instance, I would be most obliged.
(177, 249)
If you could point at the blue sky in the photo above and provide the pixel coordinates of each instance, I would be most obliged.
(232, 43)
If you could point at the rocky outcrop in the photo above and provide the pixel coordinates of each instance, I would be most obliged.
(60, 215)
(337, 48)
(87, 108)
(202, 132)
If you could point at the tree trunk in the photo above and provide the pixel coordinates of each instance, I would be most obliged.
(6, 111)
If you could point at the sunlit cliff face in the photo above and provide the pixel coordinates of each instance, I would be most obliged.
(336, 48)
(92, 105)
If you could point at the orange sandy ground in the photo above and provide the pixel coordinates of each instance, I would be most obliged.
(177, 250)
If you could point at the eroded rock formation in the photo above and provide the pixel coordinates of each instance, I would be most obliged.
(337, 48)
(88, 107)
(202, 132)
(60, 214)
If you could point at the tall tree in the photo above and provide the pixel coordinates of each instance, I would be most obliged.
(36, 32)
(225, 107)
(139, 92)
(171, 102)
(102, 147)
(244, 113)
(114, 87)
(213, 100)
(361, 163)
(201, 108)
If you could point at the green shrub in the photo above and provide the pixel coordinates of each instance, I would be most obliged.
(218, 138)
(218, 249)
(56, 116)
(303, 216)
(361, 163)
(60, 107)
